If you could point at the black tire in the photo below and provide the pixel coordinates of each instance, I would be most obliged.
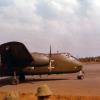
(21, 77)
(80, 77)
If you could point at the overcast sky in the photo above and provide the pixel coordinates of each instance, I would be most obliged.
(68, 25)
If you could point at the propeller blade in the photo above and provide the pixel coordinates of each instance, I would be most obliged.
(50, 52)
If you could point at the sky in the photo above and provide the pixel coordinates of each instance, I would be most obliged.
(67, 25)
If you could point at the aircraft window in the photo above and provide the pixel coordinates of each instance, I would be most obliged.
(68, 55)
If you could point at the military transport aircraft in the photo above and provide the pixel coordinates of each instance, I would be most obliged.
(15, 60)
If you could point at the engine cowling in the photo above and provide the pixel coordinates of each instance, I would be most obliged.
(40, 59)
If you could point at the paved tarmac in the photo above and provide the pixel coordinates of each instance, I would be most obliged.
(63, 84)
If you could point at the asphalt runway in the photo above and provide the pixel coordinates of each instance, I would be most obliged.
(62, 84)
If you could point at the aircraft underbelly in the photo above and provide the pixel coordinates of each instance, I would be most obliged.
(46, 70)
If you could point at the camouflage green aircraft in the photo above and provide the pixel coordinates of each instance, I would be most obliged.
(15, 60)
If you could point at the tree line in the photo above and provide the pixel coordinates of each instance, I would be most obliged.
(90, 59)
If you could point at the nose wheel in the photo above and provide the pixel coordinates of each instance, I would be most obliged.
(81, 75)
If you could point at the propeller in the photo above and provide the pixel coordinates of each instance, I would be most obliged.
(50, 61)
(50, 54)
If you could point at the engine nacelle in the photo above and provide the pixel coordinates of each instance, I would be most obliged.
(40, 59)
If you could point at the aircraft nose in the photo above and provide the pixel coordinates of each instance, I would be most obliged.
(78, 68)
(78, 65)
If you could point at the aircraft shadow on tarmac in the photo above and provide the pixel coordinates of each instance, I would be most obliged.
(32, 81)
(7, 81)
(44, 79)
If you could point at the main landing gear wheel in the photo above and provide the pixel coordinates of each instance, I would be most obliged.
(15, 81)
(21, 77)
(80, 77)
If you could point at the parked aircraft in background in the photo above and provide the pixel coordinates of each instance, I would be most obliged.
(17, 61)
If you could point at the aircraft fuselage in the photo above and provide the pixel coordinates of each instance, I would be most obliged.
(59, 63)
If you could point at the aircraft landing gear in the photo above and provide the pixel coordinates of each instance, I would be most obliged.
(15, 80)
(81, 75)
(21, 76)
